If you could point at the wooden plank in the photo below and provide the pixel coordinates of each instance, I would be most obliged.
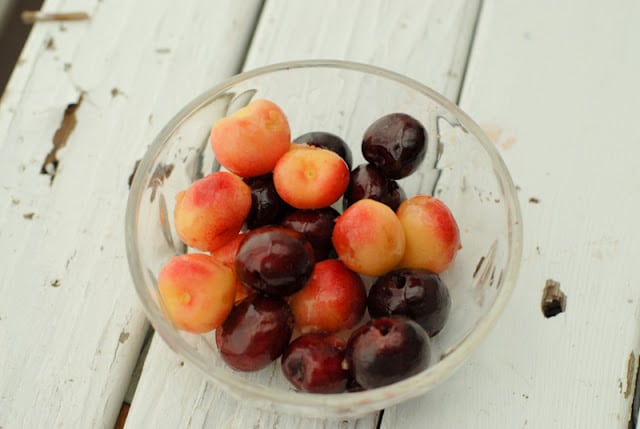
(427, 40)
(70, 325)
(556, 86)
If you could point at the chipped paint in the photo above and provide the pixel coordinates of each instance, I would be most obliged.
(554, 301)
(631, 366)
(60, 138)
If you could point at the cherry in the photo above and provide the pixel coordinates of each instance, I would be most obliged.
(266, 205)
(418, 294)
(395, 143)
(387, 350)
(333, 299)
(255, 333)
(317, 226)
(275, 260)
(313, 363)
(367, 181)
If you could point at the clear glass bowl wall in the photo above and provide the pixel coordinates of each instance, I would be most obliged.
(461, 167)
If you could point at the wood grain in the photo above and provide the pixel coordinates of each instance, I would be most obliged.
(553, 84)
(70, 324)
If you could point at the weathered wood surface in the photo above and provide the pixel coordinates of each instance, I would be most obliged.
(71, 327)
(553, 84)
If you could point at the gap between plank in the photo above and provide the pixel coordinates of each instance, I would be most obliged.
(137, 370)
(135, 377)
(243, 62)
(635, 402)
(379, 419)
(474, 31)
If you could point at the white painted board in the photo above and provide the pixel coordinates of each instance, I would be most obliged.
(70, 324)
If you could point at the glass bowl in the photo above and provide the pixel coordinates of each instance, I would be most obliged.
(462, 168)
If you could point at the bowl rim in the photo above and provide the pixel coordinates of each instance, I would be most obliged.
(339, 404)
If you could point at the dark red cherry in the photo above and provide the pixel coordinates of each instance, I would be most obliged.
(266, 205)
(395, 143)
(313, 363)
(274, 260)
(418, 294)
(387, 350)
(367, 181)
(317, 226)
(256, 332)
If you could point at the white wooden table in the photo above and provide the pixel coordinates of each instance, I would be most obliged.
(554, 84)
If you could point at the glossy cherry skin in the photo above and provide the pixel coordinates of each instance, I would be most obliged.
(333, 300)
(313, 363)
(274, 260)
(395, 143)
(418, 294)
(317, 226)
(387, 350)
(367, 181)
(256, 332)
(266, 205)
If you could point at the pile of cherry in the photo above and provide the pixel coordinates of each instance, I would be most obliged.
(279, 262)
